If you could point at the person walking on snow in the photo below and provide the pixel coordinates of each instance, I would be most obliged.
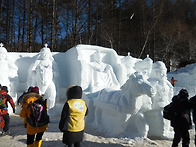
(72, 117)
(4, 111)
(173, 81)
(181, 121)
(32, 96)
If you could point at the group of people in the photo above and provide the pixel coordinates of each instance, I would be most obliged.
(181, 107)
(72, 117)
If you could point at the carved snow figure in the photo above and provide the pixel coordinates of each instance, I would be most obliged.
(41, 75)
(144, 67)
(102, 74)
(129, 63)
(119, 106)
(159, 127)
(9, 73)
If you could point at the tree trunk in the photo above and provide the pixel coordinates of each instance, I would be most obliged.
(19, 26)
(42, 30)
(12, 27)
(24, 24)
(30, 25)
(1, 7)
(53, 24)
(74, 23)
(35, 29)
(89, 21)
(8, 23)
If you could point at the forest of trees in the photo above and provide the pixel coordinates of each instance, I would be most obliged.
(164, 29)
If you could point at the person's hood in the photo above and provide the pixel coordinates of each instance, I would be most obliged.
(74, 92)
(31, 97)
(3, 92)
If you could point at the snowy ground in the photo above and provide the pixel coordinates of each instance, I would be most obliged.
(93, 138)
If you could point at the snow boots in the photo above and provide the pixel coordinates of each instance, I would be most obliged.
(30, 145)
(38, 143)
(35, 144)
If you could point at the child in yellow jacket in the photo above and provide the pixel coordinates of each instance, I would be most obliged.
(72, 117)
(25, 112)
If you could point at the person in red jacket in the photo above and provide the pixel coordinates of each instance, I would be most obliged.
(173, 81)
(4, 111)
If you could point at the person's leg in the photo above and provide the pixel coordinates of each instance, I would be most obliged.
(39, 136)
(69, 145)
(7, 121)
(30, 139)
(77, 144)
(195, 140)
(177, 137)
(185, 138)
(38, 139)
(38, 143)
(195, 136)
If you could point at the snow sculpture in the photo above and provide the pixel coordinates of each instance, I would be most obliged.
(79, 72)
(113, 110)
(41, 74)
(102, 74)
(129, 63)
(144, 67)
(9, 73)
(159, 127)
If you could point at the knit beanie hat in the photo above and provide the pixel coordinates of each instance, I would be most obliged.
(74, 92)
(35, 89)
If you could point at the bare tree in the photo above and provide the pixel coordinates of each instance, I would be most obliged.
(1, 7)
(53, 23)
(19, 25)
(24, 26)
(12, 25)
(156, 18)
(30, 25)
(8, 22)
